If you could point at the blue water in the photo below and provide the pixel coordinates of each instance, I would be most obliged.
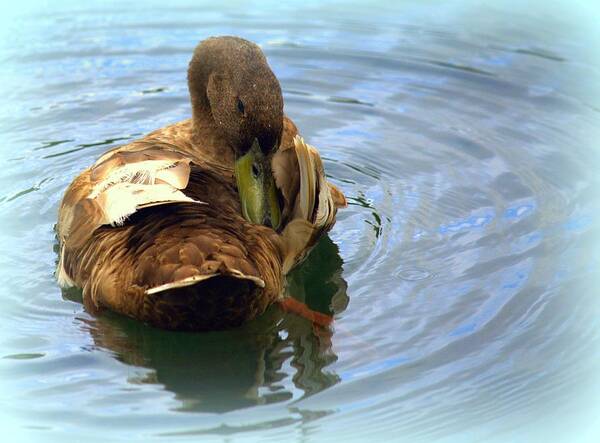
(462, 276)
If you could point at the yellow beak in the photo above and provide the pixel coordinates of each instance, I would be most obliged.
(256, 186)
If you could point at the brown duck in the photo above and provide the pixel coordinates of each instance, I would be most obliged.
(195, 225)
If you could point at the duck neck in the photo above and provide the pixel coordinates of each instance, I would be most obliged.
(206, 134)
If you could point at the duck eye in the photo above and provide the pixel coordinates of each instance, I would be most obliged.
(240, 106)
(255, 170)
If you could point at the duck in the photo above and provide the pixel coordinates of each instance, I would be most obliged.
(195, 225)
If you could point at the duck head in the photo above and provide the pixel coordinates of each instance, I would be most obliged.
(234, 91)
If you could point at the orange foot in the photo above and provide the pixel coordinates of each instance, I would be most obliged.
(290, 304)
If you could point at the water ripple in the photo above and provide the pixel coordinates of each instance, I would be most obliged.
(460, 276)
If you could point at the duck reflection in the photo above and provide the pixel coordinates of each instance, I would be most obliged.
(223, 371)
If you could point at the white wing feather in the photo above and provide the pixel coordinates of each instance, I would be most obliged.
(307, 180)
(132, 186)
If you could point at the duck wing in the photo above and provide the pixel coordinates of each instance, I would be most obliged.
(118, 185)
(310, 201)
(151, 234)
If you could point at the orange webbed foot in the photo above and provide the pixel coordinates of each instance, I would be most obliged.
(290, 304)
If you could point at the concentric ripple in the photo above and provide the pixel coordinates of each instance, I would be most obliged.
(460, 277)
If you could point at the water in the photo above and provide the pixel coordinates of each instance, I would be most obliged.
(461, 276)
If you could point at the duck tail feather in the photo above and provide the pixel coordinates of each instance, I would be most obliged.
(189, 281)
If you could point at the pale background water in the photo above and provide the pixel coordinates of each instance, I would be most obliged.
(463, 275)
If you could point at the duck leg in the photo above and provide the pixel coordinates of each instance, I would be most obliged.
(290, 304)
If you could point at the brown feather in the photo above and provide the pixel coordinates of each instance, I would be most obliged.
(174, 262)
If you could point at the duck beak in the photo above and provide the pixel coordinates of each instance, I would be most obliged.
(256, 186)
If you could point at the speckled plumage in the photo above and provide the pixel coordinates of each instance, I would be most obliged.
(183, 256)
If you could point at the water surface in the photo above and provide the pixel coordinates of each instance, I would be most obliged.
(461, 276)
